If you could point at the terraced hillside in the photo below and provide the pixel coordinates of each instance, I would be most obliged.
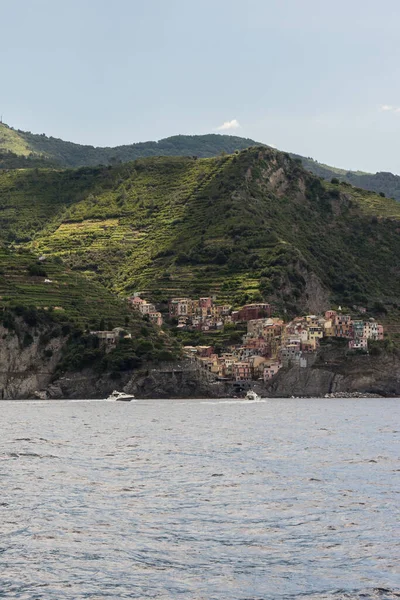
(25, 281)
(244, 227)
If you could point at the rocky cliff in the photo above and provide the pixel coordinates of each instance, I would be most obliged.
(171, 380)
(29, 360)
(336, 372)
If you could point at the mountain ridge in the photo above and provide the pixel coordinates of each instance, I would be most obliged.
(54, 151)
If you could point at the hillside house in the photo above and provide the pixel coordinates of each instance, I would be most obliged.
(343, 326)
(241, 371)
(110, 338)
(156, 318)
(330, 315)
(271, 370)
(252, 311)
(371, 330)
(329, 328)
(360, 343)
(142, 306)
(358, 329)
(180, 307)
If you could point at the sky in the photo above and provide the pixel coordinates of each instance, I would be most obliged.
(315, 77)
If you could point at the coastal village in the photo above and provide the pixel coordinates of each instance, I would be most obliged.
(268, 344)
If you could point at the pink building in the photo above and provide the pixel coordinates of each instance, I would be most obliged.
(135, 301)
(241, 371)
(380, 332)
(271, 371)
(205, 303)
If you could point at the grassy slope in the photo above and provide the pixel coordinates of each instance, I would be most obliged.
(242, 226)
(12, 141)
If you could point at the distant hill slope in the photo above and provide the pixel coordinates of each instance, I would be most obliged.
(68, 154)
(245, 227)
(381, 182)
(9, 160)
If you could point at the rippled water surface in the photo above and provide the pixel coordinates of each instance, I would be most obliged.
(204, 500)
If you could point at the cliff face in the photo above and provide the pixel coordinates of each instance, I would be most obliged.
(333, 372)
(171, 380)
(27, 361)
(28, 367)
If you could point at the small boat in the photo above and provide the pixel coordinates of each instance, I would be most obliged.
(251, 395)
(121, 396)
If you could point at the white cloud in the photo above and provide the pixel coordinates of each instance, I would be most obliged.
(234, 124)
(390, 108)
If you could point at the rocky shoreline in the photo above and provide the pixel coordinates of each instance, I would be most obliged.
(352, 395)
(26, 373)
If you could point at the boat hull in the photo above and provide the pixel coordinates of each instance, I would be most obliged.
(124, 399)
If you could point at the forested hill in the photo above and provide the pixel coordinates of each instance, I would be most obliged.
(33, 149)
(9, 160)
(68, 154)
(383, 182)
(245, 227)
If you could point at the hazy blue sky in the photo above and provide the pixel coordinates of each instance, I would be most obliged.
(317, 77)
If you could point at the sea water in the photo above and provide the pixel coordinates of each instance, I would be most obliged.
(200, 499)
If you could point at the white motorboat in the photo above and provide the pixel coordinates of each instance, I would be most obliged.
(251, 395)
(121, 396)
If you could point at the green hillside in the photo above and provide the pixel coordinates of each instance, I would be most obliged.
(44, 295)
(25, 281)
(53, 151)
(9, 160)
(13, 141)
(245, 226)
(68, 154)
(384, 183)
